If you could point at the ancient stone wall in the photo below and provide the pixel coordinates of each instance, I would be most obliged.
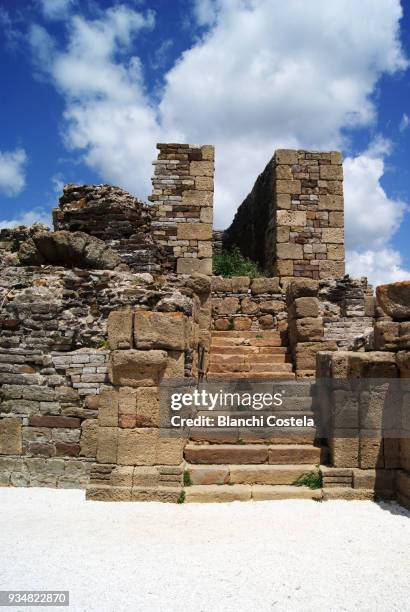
(364, 459)
(292, 221)
(55, 344)
(183, 187)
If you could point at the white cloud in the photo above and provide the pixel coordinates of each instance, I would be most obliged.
(56, 9)
(12, 171)
(381, 266)
(205, 12)
(371, 217)
(37, 215)
(404, 123)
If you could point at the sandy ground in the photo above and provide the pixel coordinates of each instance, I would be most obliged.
(276, 555)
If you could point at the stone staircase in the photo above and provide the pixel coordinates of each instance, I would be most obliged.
(261, 355)
(237, 465)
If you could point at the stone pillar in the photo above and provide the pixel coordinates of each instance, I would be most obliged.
(308, 225)
(183, 186)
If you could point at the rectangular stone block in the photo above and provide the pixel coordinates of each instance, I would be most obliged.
(54, 421)
(304, 307)
(10, 436)
(331, 172)
(291, 217)
(206, 216)
(292, 187)
(286, 156)
(119, 329)
(371, 453)
(88, 440)
(194, 197)
(175, 365)
(336, 252)
(283, 201)
(194, 231)
(305, 353)
(331, 269)
(190, 265)
(344, 452)
(308, 329)
(333, 235)
(201, 168)
(137, 446)
(137, 368)
(331, 203)
(208, 152)
(170, 451)
(204, 183)
(107, 442)
(147, 407)
(289, 251)
(160, 330)
(108, 408)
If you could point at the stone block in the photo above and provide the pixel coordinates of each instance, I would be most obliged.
(137, 368)
(160, 330)
(147, 407)
(308, 329)
(286, 156)
(272, 306)
(370, 452)
(208, 152)
(331, 203)
(283, 172)
(292, 187)
(331, 172)
(382, 480)
(145, 476)
(394, 300)
(201, 168)
(304, 307)
(175, 365)
(170, 450)
(293, 218)
(190, 265)
(240, 284)
(333, 235)
(374, 364)
(108, 408)
(265, 285)
(289, 250)
(206, 215)
(122, 476)
(119, 329)
(88, 440)
(403, 362)
(303, 287)
(336, 252)
(137, 446)
(242, 323)
(284, 268)
(220, 284)
(225, 306)
(209, 474)
(344, 452)
(10, 436)
(305, 353)
(336, 219)
(204, 183)
(282, 234)
(108, 493)
(107, 442)
(54, 421)
(194, 231)
(331, 269)
(194, 197)
(204, 249)
(283, 201)
(158, 494)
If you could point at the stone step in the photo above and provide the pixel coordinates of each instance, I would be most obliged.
(250, 350)
(247, 474)
(265, 368)
(248, 359)
(255, 376)
(240, 341)
(245, 334)
(296, 454)
(235, 435)
(227, 493)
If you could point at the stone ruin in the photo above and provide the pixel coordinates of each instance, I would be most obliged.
(120, 297)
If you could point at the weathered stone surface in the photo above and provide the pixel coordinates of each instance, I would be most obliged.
(221, 453)
(331, 172)
(107, 442)
(371, 453)
(344, 451)
(394, 299)
(209, 474)
(286, 156)
(304, 287)
(160, 330)
(272, 306)
(147, 407)
(137, 446)
(304, 307)
(190, 265)
(306, 330)
(54, 421)
(200, 283)
(289, 251)
(240, 284)
(119, 329)
(170, 451)
(217, 493)
(88, 440)
(137, 368)
(71, 249)
(10, 436)
(291, 217)
(333, 235)
(108, 408)
(194, 231)
(265, 285)
(225, 306)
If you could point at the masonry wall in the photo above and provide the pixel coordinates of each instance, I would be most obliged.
(183, 187)
(292, 221)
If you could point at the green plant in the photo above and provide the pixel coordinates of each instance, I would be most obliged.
(231, 325)
(103, 344)
(187, 479)
(232, 263)
(312, 480)
(181, 498)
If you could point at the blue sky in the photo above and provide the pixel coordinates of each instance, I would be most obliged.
(89, 87)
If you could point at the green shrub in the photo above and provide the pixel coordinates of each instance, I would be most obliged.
(181, 498)
(187, 479)
(312, 480)
(233, 263)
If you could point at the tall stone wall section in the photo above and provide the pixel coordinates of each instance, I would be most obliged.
(364, 460)
(183, 188)
(292, 222)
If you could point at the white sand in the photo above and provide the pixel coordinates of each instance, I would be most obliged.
(278, 555)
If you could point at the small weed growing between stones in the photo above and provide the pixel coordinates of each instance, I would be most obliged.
(181, 498)
(313, 481)
(187, 479)
(104, 345)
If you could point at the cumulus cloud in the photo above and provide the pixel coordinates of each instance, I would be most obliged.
(381, 266)
(404, 123)
(12, 171)
(37, 215)
(56, 9)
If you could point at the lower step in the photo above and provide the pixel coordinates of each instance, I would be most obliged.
(226, 493)
(251, 376)
(252, 453)
(248, 474)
